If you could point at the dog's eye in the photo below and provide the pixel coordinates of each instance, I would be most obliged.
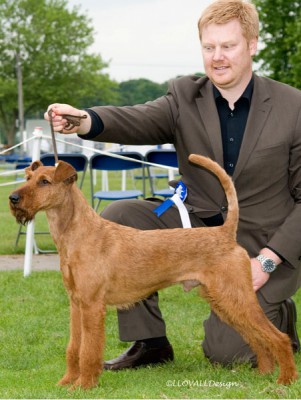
(44, 182)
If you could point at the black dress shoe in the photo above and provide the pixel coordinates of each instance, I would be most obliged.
(291, 324)
(140, 354)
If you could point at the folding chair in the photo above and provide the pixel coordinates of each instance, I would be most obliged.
(166, 157)
(106, 163)
(20, 166)
(80, 163)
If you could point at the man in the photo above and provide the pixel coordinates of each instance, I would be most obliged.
(252, 127)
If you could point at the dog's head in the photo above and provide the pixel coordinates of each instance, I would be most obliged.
(46, 187)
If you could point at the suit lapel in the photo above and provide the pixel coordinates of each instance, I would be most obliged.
(209, 115)
(259, 111)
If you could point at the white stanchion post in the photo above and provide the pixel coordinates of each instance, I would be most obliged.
(30, 227)
(104, 181)
(171, 176)
(123, 180)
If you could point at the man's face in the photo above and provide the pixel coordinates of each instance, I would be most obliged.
(227, 55)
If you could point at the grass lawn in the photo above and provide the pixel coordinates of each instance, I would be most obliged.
(34, 323)
(34, 333)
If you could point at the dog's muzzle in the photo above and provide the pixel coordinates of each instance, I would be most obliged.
(22, 216)
(14, 198)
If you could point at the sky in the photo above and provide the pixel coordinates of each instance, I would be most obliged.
(153, 39)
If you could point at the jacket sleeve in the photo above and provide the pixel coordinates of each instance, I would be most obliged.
(287, 238)
(145, 124)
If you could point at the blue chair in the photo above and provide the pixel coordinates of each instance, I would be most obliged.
(20, 162)
(103, 162)
(80, 163)
(17, 158)
(19, 167)
(167, 157)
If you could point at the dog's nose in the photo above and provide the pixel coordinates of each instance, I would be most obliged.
(14, 198)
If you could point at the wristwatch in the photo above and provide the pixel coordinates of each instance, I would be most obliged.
(267, 264)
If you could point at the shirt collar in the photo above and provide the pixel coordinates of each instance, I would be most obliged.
(247, 94)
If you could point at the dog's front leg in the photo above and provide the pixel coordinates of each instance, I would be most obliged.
(92, 344)
(73, 349)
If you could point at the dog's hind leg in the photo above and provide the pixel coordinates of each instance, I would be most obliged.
(270, 344)
(266, 340)
(283, 352)
(238, 320)
(72, 352)
(265, 360)
(92, 344)
(239, 308)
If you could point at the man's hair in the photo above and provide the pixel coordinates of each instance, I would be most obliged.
(223, 11)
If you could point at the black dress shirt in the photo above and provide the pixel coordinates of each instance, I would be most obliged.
(233, 123)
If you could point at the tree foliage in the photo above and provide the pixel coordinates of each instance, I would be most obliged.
(138, 91)
(280, 58)
(52, 43)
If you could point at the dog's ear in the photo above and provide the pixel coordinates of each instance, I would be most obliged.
(33, 166)
(64, 172)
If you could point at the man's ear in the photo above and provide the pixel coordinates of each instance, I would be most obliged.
(253, 46)
(64, 172)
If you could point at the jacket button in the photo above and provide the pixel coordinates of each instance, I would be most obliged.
(224, 208)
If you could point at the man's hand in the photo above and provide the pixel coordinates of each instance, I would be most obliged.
(60, 123)
(259, 277)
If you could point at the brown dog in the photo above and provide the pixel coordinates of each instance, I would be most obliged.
(106, 263)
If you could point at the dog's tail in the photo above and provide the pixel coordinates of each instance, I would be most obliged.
(228, 186)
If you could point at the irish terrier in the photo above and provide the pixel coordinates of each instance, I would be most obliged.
(119, 266)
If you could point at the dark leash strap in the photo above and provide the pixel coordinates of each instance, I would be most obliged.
(72, 121)
(56, 158)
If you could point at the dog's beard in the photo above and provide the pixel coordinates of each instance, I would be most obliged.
(22, 216)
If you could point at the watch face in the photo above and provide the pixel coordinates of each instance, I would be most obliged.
(268, 265)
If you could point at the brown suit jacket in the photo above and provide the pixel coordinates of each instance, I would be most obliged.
(267, 176)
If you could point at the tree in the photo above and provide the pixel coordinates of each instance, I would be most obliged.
(51, 43)
(280, 58)
(138, 91)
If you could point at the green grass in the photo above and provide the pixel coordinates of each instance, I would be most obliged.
(34, 323)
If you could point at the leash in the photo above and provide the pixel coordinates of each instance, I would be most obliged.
(56, 158)
(72, 121)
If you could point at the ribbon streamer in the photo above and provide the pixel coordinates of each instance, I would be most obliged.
(178, 199)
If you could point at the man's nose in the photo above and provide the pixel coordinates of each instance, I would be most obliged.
(218, 54)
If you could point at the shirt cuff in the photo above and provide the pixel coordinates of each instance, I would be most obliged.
(97, 125)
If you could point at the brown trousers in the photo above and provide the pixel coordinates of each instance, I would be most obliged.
(221, 343)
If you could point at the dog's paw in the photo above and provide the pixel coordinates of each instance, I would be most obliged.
(84, 383)
(287, 378)
(266, 366)
(67, 380)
